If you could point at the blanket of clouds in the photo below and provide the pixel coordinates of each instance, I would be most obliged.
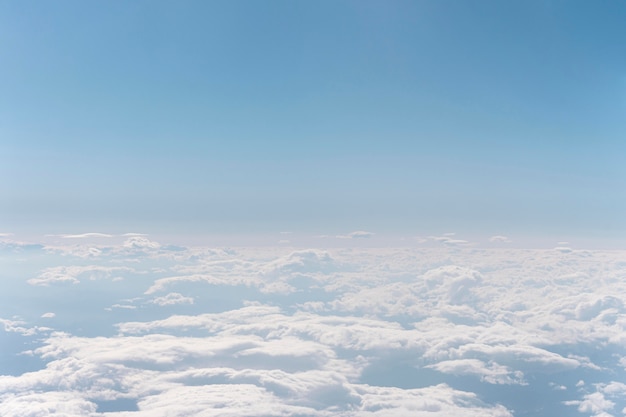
(124, 326)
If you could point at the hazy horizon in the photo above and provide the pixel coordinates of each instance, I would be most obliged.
(316, 117)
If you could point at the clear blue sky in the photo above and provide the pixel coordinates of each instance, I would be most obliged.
(251, 117)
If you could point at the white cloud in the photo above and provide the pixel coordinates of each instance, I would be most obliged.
(438, 400)
(492, 372)
(613, 388)
(303, 261)
(48, 315)
(500, 239)
(448, 240)
(162, 283)
(273, 276)
(359, 234)
(334, 332)
(172, 299)
(563, 249)
(595, 404)
(40, 404)
(236, 374)
(85, 235)
(138, 242)
(531, 357)
(124, 306)
(218, 400)
(18, 326)
(73, 274)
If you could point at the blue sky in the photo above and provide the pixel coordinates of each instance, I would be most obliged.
(255, 117)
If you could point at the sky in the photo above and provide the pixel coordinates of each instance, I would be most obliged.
(235, 117)
(320, 209)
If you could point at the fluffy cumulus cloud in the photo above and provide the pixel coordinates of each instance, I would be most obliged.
(451, 330)
(602, 402)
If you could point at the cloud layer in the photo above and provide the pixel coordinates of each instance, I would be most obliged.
(149, 329)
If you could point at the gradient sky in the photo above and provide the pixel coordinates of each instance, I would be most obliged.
(322, 116)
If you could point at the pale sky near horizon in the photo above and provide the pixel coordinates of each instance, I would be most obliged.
(324, 116)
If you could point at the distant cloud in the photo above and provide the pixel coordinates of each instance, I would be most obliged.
(73, 274)
(447, 240)
(499, 239)
(172, 299)
(48, 315)
(124, 306)
(563, 249)
(136, 242)
(359, 234)
(162, 283)
(85, 235)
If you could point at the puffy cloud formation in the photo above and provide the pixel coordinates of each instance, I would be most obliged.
(176, 331)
